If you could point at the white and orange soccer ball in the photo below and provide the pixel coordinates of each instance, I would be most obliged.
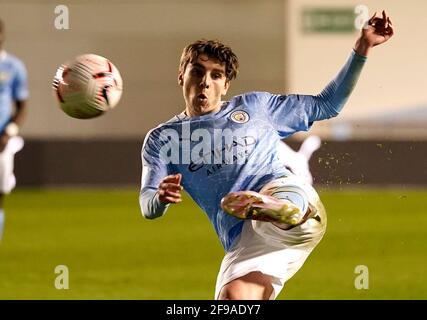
(87, 86)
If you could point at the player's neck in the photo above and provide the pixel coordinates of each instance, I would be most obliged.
(189, 112)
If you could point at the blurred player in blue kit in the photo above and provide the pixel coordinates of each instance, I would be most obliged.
(13, 96)
(225, 154)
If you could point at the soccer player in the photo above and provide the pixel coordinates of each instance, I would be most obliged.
(224, 154)
(298, 161)
(13, 96)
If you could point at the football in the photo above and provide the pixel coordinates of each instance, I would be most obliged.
(87, 86)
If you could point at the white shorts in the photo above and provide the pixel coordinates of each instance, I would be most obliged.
(7, 178)
(266, 248)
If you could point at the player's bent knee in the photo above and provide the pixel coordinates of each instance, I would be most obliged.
(252, 286)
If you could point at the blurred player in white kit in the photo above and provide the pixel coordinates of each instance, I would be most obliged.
(298, 161)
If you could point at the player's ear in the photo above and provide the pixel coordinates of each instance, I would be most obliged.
(180, 79)
(226, 86)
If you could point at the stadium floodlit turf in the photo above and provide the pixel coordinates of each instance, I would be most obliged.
(113, 253)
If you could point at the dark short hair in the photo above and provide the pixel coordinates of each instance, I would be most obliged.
(213, 49)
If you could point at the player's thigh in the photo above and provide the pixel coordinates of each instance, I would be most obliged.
(252, 286)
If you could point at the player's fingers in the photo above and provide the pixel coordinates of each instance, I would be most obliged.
(170, 186)
(384, 16)
(170, 178)
(175, 179)
(388, 29)
(167, 196)
(372, 19)
(169, 199)
(172, 200)
(178, 178)
(172, 194)
(390, 32)
(387, 21)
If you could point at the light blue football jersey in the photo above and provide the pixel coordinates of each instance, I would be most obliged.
(235, 148)
(13, 85)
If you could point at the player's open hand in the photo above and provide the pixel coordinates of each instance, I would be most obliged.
(170, 189)
(377, 31)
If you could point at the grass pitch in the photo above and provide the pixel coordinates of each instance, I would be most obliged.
(113, 253)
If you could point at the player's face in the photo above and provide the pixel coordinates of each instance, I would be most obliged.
(203, 84)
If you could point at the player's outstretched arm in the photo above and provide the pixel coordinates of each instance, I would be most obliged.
(333, 98)
(377, 31)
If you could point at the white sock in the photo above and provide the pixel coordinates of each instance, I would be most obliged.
(1, 222)
(295, 195)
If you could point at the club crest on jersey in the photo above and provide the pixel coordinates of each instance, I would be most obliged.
(4, 77)
(239, 116)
